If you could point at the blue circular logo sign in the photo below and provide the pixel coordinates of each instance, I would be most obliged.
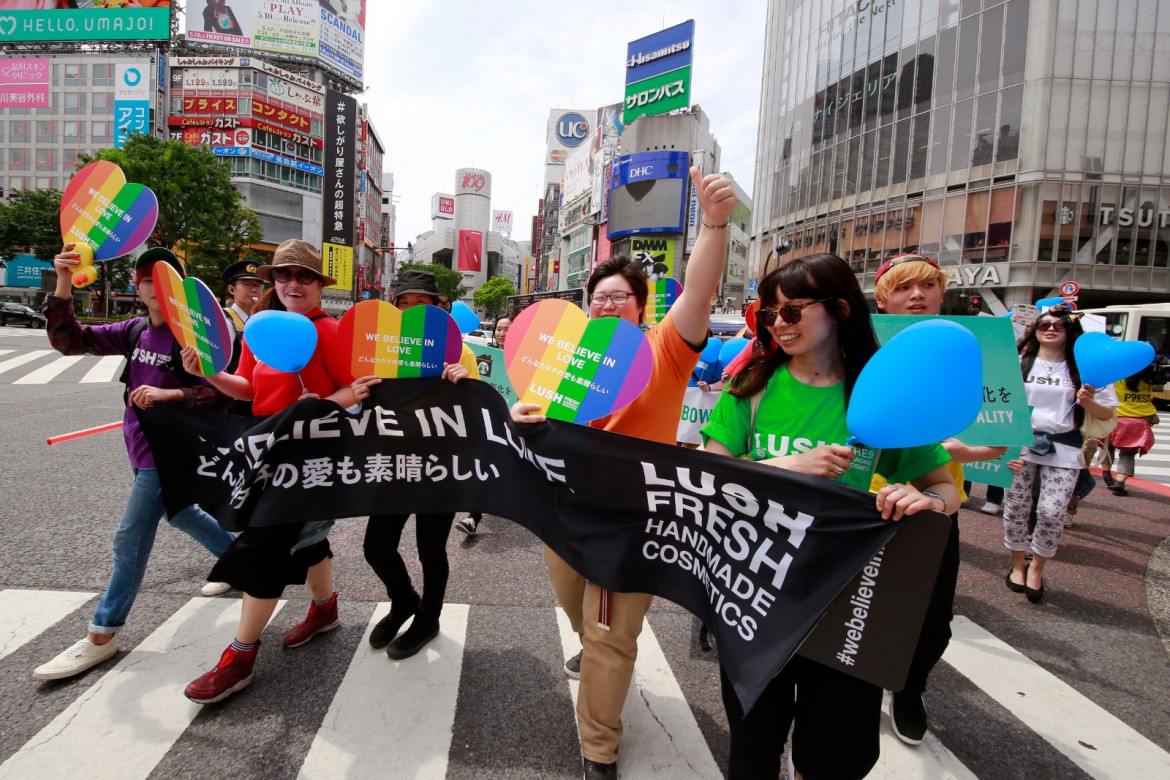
(132, 76)
(572, 129)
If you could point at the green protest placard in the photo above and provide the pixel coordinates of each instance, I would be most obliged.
(992, 472)
(1005, 419)
(491, 370)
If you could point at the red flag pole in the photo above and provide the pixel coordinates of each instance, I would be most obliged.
(86, 432)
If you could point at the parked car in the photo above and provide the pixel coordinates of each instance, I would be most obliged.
(478, 337)
(726, 326)
(19, 314)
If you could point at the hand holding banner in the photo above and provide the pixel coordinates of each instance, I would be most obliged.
(575, 369)
(375, 338)
(194, 316)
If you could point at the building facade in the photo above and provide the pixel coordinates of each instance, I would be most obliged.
(1022, 143)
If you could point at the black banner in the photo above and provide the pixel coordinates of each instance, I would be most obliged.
(757, 553)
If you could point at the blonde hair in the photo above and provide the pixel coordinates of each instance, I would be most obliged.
(905, 273)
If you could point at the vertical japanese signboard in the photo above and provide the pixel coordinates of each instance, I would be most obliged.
(24, 83)
(337, 197)
(132, 87)
(658, 72)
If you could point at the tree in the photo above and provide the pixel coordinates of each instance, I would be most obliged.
(450, 282)
(201, 213)
(492, 296)
(31, 222)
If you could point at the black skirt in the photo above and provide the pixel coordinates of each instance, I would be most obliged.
(260, 562)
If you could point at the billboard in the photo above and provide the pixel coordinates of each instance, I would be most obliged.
(24, 21)
(567, 130)
(658, 72)
(646, 193)
(132, 89)
(442, 206)
(655, 256)
(502, 222)
(24, 83)
(577, 173)
(337, 196)
(23, 271)
(329, 32)
(471, 251)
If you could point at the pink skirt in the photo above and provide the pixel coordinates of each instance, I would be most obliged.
(1132, 433)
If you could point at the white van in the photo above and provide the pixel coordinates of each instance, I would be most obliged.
(1149, 322)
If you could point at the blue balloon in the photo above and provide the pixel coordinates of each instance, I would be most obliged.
(903, 399)
(1048, 303)
(464, 317)
(731, 349)
(1007, 314)
(710, 352)
(281, 339)
(1102, 361)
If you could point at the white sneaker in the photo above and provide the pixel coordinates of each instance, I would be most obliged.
(468, 525)
(990, 508)
(81, 656)
(215, 588)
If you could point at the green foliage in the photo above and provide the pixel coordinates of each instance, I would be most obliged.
(450, 282)
(31, 221)
(492, 296)
(201, 213)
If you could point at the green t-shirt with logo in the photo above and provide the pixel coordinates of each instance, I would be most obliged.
(793, 418)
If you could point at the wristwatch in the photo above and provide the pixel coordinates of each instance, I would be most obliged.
(932, 494)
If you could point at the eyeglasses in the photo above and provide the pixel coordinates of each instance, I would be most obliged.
(1057, 327)
(790, 313)
(618, 298)
(303, 275)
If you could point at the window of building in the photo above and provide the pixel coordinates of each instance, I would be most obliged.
(103, 103)
(18, 131)
(75, 102)
(54, 102)
(72, 129)
(101, 131)
(989, 50)
(44, 158)
(984, 134)
(46, 131)
(70, 156)
(944, 66)
(176, 105)
(18, 159)
(103, 74)
(76, 75)
(940, 125)
(44, 182)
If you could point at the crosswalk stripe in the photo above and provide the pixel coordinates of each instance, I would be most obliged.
(124, 724)
(46, 374)
(662, 737)
(395, 714)
(6, 351)
(20, 360)
(105, 370)
(1099, 743)
(29, 612)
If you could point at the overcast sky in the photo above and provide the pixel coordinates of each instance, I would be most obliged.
(469, 84)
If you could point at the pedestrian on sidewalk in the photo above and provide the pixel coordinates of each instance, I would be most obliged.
(1136, 418)
(153, 374)
(470, 524)
(262, 561)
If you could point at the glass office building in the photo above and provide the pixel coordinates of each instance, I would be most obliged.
(1022, 143)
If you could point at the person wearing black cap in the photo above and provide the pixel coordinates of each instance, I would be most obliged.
(245, 289)
(383, 532)
(153, 375)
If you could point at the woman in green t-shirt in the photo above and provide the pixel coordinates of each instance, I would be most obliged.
(787, 409)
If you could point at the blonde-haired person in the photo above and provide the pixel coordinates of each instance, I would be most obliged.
(262, 561)
(915, 284)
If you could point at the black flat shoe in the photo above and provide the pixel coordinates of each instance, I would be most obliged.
(1014, 587)
(1035, 594)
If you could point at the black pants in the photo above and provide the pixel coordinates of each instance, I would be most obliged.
(383, 533)
(936, 626)
(838, 719)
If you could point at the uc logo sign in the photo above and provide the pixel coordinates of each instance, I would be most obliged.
(572, 129)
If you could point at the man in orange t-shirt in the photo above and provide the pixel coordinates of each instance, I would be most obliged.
(617, 288)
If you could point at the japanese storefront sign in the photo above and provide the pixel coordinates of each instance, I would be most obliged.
(376, 338)
(24, 82)
(337, 190)
(86, 25)
(574, 368)
(194, 317)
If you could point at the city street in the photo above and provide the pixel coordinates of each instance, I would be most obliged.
(1074, 687)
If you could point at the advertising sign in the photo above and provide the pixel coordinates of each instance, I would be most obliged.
(470, 250)
(337, 197)
(473, 181)
(206, 105)
(27, 20)
(132, 87)
(24, 83)
(309, 98)
(655, 256)
(658, 72)
(655, 204)
(342, 45)
(502, 222)
(442, 206)
(577, 170)
(567, 130)
(211, 78)
(282, 116)
(23, 271)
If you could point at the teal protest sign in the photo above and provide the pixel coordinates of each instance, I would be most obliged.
(1004, 419)
(491, 370)
(992, 472)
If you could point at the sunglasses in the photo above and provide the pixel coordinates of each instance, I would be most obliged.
(790, 314)
(1057, 327)
(303, 275)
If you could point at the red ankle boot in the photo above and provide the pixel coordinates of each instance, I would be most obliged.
(233, 673)
(320, 619)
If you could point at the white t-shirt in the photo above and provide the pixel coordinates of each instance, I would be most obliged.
(1052, 396)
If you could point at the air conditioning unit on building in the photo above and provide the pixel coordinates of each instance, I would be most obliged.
(1093, 166)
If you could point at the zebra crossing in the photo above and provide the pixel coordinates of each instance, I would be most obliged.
(398, 719)
(1155, 465)
(39, 364)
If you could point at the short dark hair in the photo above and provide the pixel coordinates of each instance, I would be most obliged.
(620, 264)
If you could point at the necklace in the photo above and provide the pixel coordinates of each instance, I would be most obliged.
(1047, 367)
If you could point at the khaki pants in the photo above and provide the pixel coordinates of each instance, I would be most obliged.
(607, 663)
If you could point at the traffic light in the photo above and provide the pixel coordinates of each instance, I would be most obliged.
(974, 305)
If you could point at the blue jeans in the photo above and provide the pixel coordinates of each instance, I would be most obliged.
(134, 540)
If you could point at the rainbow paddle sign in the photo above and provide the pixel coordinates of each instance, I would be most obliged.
(376, 338)
(101, 209)
(574, 368)
(661, 296)
(194, 316)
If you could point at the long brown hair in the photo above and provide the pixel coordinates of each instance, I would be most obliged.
(1030, 348)
(816, 276)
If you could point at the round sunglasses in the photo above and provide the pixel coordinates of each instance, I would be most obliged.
(303, 275)
(790, 313)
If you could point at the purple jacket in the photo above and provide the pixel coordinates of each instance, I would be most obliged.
(149, 365)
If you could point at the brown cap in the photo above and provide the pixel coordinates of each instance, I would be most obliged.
(295, 252)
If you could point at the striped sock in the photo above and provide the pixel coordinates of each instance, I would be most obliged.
(243, 647)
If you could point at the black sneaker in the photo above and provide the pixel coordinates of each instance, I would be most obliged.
(908, 715)
(414, 638)
(596, 771)
(1107, 477)
(389, 626)
(573, 667)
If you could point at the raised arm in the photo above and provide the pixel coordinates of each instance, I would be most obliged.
(691, 312)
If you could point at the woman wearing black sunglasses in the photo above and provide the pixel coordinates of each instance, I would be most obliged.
(787, 409)
(1059, 403)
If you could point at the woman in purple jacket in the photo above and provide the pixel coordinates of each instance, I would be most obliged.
(154, 375)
